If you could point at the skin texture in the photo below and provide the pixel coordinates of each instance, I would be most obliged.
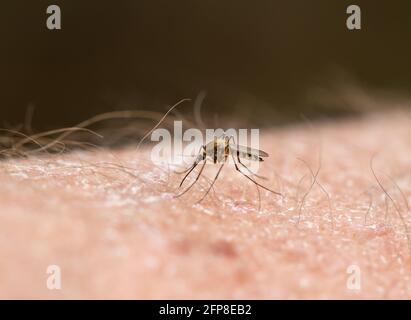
(108, 219)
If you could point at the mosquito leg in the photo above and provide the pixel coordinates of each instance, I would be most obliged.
(209, 183)
(205, 185)
(252, 180)
(198, 176)
(184, 171)
(259, 198)
(258, 189)
(248, 169)
(189, 168)
(216, 176)
(192, 167)
(189, 171)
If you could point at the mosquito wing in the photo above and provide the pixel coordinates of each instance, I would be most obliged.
(248, 153)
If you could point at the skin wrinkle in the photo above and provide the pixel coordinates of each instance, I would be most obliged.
(110, 221)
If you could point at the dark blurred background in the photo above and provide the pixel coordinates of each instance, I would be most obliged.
(264, 61)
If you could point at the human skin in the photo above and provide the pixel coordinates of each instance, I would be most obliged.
(110, 221)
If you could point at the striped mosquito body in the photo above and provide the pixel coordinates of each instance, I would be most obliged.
(218, 151)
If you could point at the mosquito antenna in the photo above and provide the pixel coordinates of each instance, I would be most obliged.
(161, 120)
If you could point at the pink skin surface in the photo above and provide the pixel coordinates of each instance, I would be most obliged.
(109, 220)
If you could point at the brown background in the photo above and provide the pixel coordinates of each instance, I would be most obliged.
(254, 58)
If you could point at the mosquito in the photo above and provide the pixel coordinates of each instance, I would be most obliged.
(218, 151)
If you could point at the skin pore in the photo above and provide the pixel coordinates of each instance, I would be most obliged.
(109, 220)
